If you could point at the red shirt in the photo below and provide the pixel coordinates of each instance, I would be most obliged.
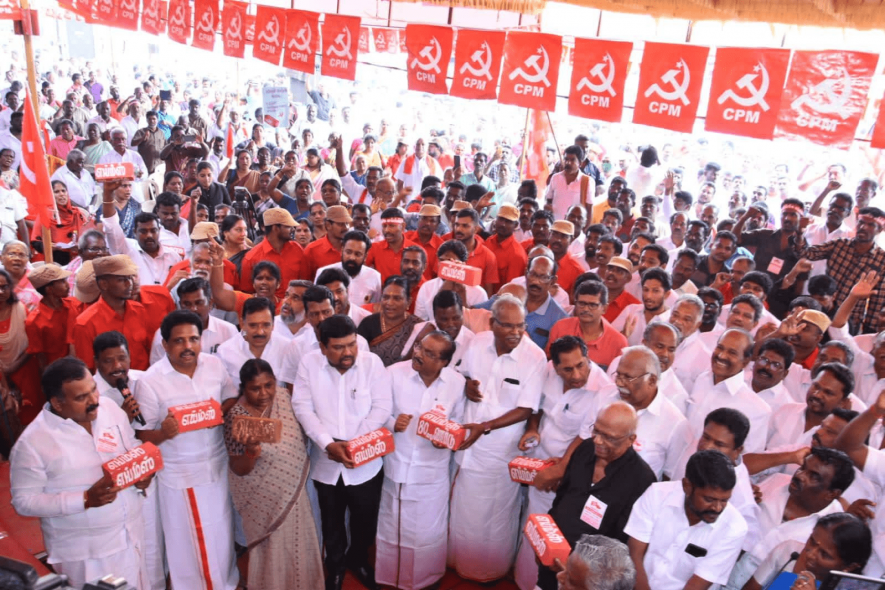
(809, 361)
(290, 260)
(727, 294)
(568, 270)
(601, 351)
(47, 328)
(319, 254)
(485, 259)
(158, 302)
(100, 318)
(617, 305)
(512, 258)
(528, 245)
(230, 271)
(430, 249)
(383, 259)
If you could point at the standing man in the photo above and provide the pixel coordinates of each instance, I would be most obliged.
(655, 290)
(567, 266)
(426, 235)
(257, 340)
(342, 393)
(414, 168)
(149, 141)
(603, 342)
(571, 186)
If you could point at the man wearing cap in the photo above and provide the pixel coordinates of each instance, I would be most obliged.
(511, 256)
(429, 217)
(414, 168)
(200, 263)
(386, 257)
(804, 333)
(114, 310)
(47, 325)
(327, 250)
(775, 249)
(618, 274)
(277, 247)
(568, 269)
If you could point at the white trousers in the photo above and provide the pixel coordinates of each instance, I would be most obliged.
(154, 549)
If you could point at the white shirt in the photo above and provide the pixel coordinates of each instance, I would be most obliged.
(711, 338)
(54, 462)
(787, 427)
(281, 330)
(636, 311)
(111, 392)
(151, 270)
(13, 208)
(81, 190)
(733, 393)
(564, 195)
(133, 157)
(816, 234)
(416, 460)
(214, 335)
(193, 458)
(235, 352)
(669, 384)
(424, 302)
(576, 248)
(691, 359)
(180, 242)
(334, 407)
(364, 288)
(658, 518)
(420, 169)
(305, 342)
(131, 126)
(8, 140)
(103, 125)
(357, 314)
(507, 382)
(356, 192)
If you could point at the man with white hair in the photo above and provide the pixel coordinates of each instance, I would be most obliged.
(123, 154)
(80, 185)
(504, 372)
(686, 316)
(598, 563)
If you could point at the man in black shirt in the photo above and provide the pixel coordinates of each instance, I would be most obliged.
(605, 476)
(775, 249)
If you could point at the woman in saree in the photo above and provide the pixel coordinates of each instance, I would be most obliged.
(66, 232)
(268, 485)
(242, 176)
(233, 234)
(13, 359)
(93, 146)
(389, 330)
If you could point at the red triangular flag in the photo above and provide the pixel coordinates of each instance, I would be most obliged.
(34, 178)
(229, 141)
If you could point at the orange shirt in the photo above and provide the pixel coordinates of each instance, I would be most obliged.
(569, 270)
(47, 329)
(483, 258)
(99, 318)
(158, 302)
(601, 351)
(617, 305)
(319, 254)
(512, 258)
(290, 260)
(430, 249)
(230, 271)
(242, 298)
(383, 259)
(527, 244)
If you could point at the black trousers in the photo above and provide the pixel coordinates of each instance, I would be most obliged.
(363, 500)
(547, 579)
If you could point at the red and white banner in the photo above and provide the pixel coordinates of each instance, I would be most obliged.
(34, 185)
(302, 36)
(270, 27)
(340, 39)
(531, 70)
(478, 56)
(153, 17)
(745, 96)
(598, 78)
(127, 14)
(9, 10)
(825, 96)
(206, 19)
(104, 12)
(250, 28)
(364, 45)
(179, 20)
(429, 50)
(670, 80)
(385, 40)
(233, 28)
(878, 139)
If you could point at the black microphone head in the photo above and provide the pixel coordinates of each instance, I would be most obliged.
(794, 556)
(122, 383)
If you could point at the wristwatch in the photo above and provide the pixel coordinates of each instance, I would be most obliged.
(486, 428)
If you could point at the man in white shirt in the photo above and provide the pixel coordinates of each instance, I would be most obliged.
(365, 281)
(686, 316)
(257, 340)
(342, 393)
(11, 138)
(685, 534)
(13, 212)
(766, 377)
(571, 187)
(291, 318)
(337, 281)
(635, 317)
(121, 153)
(133, 121)
(174, 231)
(504, 369)
(448, 316)
(90, 528)
(80, 185)
(193, 486)
(414, 514)
(414, 168)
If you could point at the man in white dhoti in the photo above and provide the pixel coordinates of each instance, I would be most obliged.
(195, 507)
(90, 529)
(414, 514)
(504, 371)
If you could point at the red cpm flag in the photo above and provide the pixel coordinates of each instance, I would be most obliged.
(825, 96)
(302, 36)
(365, 36)
(878, 140)
(598, 77)
(745, 95)
(104, 12)
(206, 17)
(340, 39)
(385, 40)
(478, 57)
(127, 14)
(153, 17)
(233, 28)
(270, 28)
(179, 20)
(670, 80)
(531, 70)
(536, 149)
(34, 177)
(229, 141)
(430, 49)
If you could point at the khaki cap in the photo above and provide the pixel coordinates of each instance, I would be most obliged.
(564, 227)
(508, 212)
(429, 211)
(119, 265)
(459, 205)
(47, 273)
(337, 213)
(205, 230)
(278, 216)
(621, 262)
(85, 287)
(818, 318)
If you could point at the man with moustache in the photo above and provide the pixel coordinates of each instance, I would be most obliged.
(46, 327)
(587, 260)
(618, 273)
(90, 527)
(696, 236)
(510, 255)
(684, 265)
(609, 246)
(412, 267)
(542, 312)
(775, 250)
(609, 201)
(291, 318)
(542, 221)
(327, 250)
(365, 281)
(465, 226)
(449, 251)
(712, 299)
(567, 267)
(277, 247)
(634, 318)
(743, 314)
(773, 361)
(386, 256)
(196, 295)
(678, 224)
(426, 234)
(257, 340)
(686, 316)
(448, 316)
(337, 281)
(527, 208)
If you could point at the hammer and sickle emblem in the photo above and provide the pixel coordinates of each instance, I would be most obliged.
(531, 63)
(128, 6)
(824, 98)
(235, 30)
(482, 57)
(207, 20)
(605, 79)
(178, 16)
(271, 32)
(757, 94)
(150, 9)
(432, 53)
(301, 40)
(341, 45)
(679, 90)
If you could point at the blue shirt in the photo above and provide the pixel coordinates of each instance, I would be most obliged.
(486, 182)
(540, 322)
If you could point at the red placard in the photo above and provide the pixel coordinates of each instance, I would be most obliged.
(370, 446)
(825, 96)
(153, 17)
(117, 171)
(127, 14)
(250, 29)
(878, 139)
(670, 80)
(429, 50)
(531, 70)
(598, 77)
(9, 9)
(197, 415)
(270, 28)
(477, 63)
(364, 45)
(401, 40)
(233, 28)
(746, 92)
(302, 34)
(385, 40)
(340, 39)
(134, 466)
(179, 20)
(205, 24)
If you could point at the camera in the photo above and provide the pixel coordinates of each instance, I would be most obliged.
(17, 575)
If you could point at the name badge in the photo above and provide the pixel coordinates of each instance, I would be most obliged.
(106, 442)
(775, 266)
(594, 511)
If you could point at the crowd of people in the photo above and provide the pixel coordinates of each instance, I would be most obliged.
(299, 273)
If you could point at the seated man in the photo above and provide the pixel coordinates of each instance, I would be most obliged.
(597, 562)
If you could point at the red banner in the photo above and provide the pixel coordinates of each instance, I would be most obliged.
(531, 70)
(670, 80)
(429, 50)
(401, 40)
(179, 20)
(365, 36)
(746, 92)
(477, 63)
(270, 27)
(385, 40)
(206, 20)
(127, 14)
(878, 140)
(825, 96)
(302, 34)
(153, 17)
(104, 12)
(9, 10)
(598, 77)
(340, 39)
(233, 28)
(78, 7)
(250, 29)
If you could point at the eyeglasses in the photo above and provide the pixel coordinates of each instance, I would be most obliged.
(591, 305)
(430, 355)
(511, 327)
(776, 365)
(542, 278)
(612, 440)
(96, 249)
(627, 379)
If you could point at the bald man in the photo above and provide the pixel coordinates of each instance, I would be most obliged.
(604, 477)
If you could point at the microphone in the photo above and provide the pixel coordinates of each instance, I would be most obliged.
(793, 557)
(123, 387)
